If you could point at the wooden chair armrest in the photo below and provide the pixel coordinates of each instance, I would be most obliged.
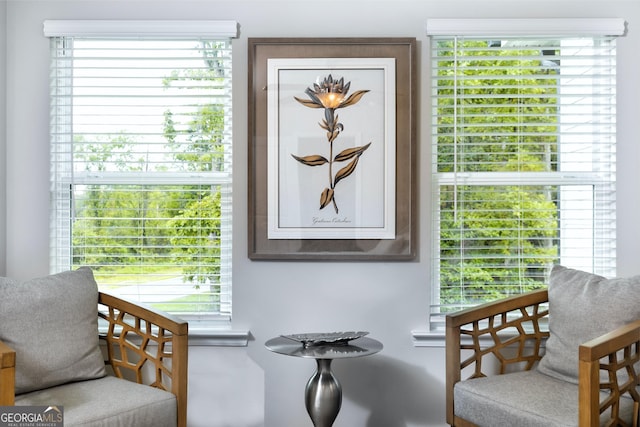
(490, 328)
(160, 318)
(7, 375)
(494, 308)
(613, 352)
(139, 336)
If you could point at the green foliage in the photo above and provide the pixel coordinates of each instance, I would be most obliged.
(196, 236)
(506, 236)
(501, 246)
(199, 147)
(156, 227)
(122, 225)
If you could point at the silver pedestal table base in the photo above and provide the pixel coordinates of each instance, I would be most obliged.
(323, 393)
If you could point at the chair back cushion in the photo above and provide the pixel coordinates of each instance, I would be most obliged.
(583, 306)
(52, 324)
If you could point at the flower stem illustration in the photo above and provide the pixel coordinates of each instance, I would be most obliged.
(330, 95)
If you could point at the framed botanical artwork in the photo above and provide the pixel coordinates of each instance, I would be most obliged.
(332, 149)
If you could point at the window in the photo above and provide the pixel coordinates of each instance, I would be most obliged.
(141, 160)
(523, 171)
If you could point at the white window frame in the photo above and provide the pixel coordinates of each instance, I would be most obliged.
(214, 331)
(512, 28)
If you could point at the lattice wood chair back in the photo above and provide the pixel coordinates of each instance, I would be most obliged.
(148, 347)
(612, 354)
(511, 330)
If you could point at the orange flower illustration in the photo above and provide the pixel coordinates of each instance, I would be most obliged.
(331, 95)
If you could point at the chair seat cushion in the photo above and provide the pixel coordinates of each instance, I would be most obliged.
(523, 399)
(107, 402)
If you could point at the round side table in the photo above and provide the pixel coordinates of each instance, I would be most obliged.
(323, 393)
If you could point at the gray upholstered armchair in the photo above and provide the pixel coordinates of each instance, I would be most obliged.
(582, 372)
(50, 354)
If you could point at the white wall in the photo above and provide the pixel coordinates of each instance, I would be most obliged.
(402, 386)
(3, 127)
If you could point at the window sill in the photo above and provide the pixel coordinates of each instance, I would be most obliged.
(436, 339)
(218, 337)
(428, 338)
(210, 337)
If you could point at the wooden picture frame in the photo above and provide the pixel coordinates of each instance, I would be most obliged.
(332, 180)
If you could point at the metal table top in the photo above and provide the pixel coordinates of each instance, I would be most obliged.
(356, 348)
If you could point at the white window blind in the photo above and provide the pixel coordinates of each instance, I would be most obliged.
(523, 132)
(141, 163)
